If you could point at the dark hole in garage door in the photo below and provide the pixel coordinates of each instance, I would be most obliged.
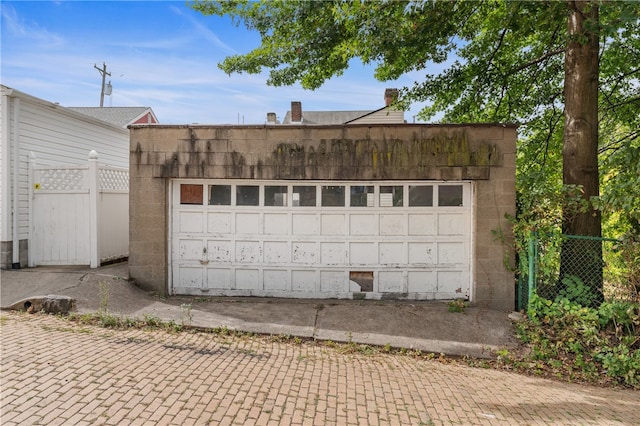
(363, 278)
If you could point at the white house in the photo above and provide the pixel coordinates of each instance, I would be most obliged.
(36, 135)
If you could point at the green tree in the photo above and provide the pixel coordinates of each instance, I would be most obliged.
(567, 71)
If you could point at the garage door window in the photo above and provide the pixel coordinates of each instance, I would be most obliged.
(361, 196)
(391, 196)
(220, 195)
(358, 195)
(247, 195)
(191, 194)
(420, 196)
(450, 195)
(275, 196)
(333, 196)
(304, 196)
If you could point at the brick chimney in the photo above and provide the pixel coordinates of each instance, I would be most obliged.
(271, 118)
(390, 96)
(296, 111)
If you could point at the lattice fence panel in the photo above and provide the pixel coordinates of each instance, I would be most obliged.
(114, 179)
(61, 179)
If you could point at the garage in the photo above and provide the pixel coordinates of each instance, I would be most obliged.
(321, 239)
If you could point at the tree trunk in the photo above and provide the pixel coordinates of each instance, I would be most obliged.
(580, 149)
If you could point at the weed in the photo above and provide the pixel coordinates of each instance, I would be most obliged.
(103, 293)
(457, 305)
(152, 321)
(187, 315)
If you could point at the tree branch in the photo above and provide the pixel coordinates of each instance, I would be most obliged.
(614, 145)
(538, 60)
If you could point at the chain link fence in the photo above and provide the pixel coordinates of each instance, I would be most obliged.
(585, 270)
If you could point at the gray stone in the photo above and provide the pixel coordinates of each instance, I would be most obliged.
(50, 304)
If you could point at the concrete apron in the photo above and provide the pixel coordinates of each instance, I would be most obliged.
(425, 326)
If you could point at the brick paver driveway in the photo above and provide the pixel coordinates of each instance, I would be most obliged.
(58, 372)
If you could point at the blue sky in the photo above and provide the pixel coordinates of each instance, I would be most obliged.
(160, 54)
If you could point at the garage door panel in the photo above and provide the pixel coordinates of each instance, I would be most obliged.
(451, 282)
(363, 224)
(248, 279)
(276, 279)
(421, 254)
(452, 224)
(391, 282)
(248, 223)
(190, 222)
(219, 278)
(189, 249)
(422, 282)
(190, 277)
(276, 224)
(391, 254)
(303, 280)
(332, 253)
(451, 253)
(304, 252)
(333, 282)
(247, 251)
(304, 224)
(276, 252)
(219, 251)
(219, 223)
(332, 224)
(422, 224)
(392, 224)
(362, 253)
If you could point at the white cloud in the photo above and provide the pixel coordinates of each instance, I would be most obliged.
(28, 30)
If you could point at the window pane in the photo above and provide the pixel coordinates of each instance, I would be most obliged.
(275, 195)
(220, 195)
(333, 196)
(450, 195)
(191, 194)
(304, 196)
(247, 195)
(391, 196)
(362, 196)
(421, 196)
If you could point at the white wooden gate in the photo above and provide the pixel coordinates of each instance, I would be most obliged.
(79, 215)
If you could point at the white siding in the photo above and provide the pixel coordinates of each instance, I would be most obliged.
(383, 116)
(5, 164)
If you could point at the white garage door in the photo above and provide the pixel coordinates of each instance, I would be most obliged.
(321, 239)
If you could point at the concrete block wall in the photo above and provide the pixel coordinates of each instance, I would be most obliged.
(482, 153)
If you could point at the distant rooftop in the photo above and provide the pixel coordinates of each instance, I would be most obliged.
(120, 116)
(296, 115)
(327, 117)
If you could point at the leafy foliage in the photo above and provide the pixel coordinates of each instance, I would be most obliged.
(476, 61)
(582, 342)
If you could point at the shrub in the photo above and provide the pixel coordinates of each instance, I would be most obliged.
(586, 341)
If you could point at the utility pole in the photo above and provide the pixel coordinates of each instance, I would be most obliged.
(104, 73)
